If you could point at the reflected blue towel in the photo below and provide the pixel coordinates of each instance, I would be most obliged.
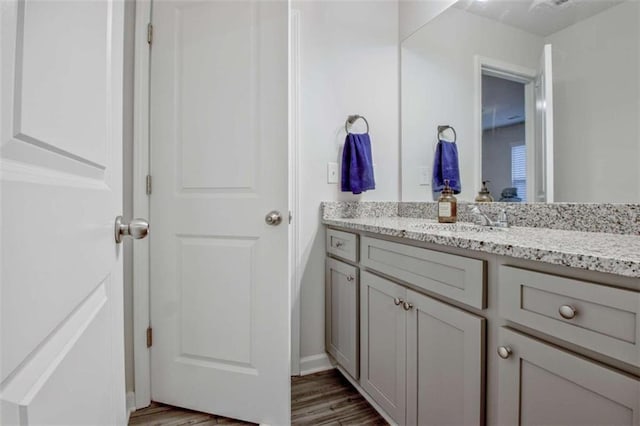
(445, 166)
(357, 164)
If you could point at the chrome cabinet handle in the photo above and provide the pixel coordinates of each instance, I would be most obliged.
(350, 278)
(504, 352)
(567, 311)
(339, 244)
(398, 301)
(273, 218)
(407, 306)
(136, 229)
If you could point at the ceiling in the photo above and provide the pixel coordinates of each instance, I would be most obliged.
(541, 17)
(502, 102)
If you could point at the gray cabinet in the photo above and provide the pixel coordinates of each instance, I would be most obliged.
(445, 364)
(341, 313)
(540, 384)
(597, 317)
(422, 360)
(456, 277)
(383, 344)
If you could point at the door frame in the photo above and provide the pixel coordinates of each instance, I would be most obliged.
(141, 207)
(507, 71)
(141, 168)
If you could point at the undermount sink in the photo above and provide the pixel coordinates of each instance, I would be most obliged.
(456, 227)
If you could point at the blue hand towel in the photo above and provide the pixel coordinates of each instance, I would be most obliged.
(445, 166)
(357, 164)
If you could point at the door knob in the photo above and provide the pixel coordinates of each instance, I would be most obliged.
(273, 218)
(407, 306)
(397, 301)
(136, 229)
(504, 352)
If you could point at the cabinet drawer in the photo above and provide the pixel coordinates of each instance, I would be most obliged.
(342, 244)
(456, 277)
(603, 319)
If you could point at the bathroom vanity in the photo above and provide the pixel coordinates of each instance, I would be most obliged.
(461, 324)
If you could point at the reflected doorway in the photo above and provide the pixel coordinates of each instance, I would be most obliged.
(504, 138)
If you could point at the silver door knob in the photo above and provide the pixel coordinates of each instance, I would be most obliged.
(273, 218)
(504, 352)
(567, 311)
(136, 229)
(397, 301)
(407, 306)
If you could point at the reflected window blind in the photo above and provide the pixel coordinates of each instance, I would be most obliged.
(519, 170)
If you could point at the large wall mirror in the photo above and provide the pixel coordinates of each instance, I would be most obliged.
(544, 96)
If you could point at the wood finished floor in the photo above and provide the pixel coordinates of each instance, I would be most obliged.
(324, 398)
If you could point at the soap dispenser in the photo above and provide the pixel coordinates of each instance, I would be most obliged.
(447, 205)
(484, 196)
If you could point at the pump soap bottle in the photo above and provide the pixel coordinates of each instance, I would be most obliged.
(484, 196)
(447, 205)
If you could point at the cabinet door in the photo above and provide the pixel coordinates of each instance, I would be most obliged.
(341, 304)
(540, 384)
(383, 344)
(445, 364)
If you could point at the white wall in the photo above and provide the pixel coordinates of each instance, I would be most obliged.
(438, 87)
(415, 13)
(348, 65)
(596, 69)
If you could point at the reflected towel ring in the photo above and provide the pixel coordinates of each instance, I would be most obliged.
(445, 127)
(352, 119)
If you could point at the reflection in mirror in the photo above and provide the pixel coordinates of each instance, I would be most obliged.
(544, 96)
(504, 142)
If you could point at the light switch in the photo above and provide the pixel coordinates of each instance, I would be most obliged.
(425, 176)
(332, 173)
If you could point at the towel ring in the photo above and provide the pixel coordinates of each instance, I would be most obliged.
(352, 119)
(445, 127)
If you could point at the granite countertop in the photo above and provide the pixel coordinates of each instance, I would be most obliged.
(595, 251)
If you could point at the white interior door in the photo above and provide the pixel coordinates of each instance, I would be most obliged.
(219, 281)
(61, 174)
(543, 147)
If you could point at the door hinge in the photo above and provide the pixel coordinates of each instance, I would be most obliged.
(149, 337)
(149, 33)
(148, 186)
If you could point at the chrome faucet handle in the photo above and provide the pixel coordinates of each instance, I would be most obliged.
(503, 219)
(480, 218)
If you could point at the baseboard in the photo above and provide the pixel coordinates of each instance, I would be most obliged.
(131, 403)
(315, 363)
(366, 396)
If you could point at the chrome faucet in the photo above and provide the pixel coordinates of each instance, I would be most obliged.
(483, 220)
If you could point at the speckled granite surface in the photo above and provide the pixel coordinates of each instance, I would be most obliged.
(603, 252)
(610, 218)
(359, 209)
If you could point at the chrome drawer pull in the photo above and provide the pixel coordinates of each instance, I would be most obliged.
(350, 278)
(339, 244)
(567, 312)
(504, 352)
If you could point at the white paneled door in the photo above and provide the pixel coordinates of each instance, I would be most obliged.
(218, 271)
(61, 332)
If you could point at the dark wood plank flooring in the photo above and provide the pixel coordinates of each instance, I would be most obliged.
(324, 398)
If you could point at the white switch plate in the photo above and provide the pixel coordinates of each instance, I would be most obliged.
(332, 173)
(425, 176)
